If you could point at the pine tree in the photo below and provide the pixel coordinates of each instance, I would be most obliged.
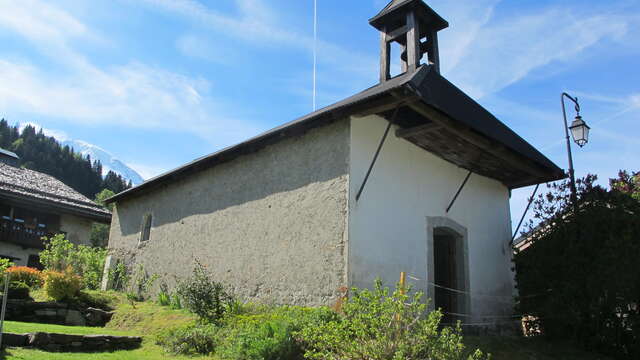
(45, 154)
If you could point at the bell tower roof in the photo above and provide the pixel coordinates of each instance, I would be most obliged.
(393, 15)
(414, 26)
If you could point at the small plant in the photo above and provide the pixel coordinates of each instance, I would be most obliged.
(30, 276)
(132, 298)
(142, 283)
(189, 340)
(164, 298)
(4, 265)
(176, 303)
(62, 285)
(119, 277)
(380, 325)
(203, 296)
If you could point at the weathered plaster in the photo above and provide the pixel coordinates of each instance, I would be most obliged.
(78, 229)
(17, 251)
(271, 224)
(389, 225)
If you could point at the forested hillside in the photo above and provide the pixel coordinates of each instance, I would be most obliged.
(45, 154)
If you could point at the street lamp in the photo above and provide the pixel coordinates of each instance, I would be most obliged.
(580, 132)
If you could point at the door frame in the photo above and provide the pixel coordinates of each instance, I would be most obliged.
(462, 249)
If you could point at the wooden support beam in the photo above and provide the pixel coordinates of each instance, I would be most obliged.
(478, 140)
(433, 51)
(379, 106)
(417, 130)
(403, 61)
(395, 34)
(385, 57)
(413, 42)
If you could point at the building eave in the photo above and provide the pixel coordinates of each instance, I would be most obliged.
(425, 87)
(56, 207)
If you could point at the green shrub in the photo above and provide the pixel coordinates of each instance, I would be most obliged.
(4, 265)
(62, 285)
(18, 290)
(164, 299)
(98, 299)
(268, 335)
(260, 340)
(176, 303)
(119, 277)
(579, 279)
(141, 285)
(87, 262)
(192, 339)
(203, 296)
(379, 325)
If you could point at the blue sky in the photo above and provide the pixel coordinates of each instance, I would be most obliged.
(160, 82)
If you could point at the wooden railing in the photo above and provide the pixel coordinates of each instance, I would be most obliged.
(16, 233)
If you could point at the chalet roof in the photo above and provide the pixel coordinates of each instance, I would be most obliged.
(8, 153)
(395, 7)
(42, 190)
(474, 139)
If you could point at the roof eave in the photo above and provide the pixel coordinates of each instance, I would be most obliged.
(98, 216)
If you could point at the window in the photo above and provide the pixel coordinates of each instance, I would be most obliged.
(34, 262)
(146, 227)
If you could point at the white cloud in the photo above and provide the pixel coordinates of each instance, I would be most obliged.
(505, 52)
(259, 25)
(131, 95)
(58, 134)
(149, 171)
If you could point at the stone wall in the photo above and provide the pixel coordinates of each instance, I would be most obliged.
(55, 313)
(271, 224)
(71, 343)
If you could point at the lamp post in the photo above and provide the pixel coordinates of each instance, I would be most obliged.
(580, 132)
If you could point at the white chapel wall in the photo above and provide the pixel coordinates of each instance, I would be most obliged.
(388, 225)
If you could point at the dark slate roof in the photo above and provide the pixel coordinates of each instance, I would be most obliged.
(24, 185)
(8, 153)
(436, 22)
(426, 83)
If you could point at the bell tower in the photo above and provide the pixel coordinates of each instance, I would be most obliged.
(413, 25)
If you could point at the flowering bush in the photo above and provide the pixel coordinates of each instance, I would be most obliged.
(86, 261)
(382, 325)
(30, 276)
(62, 285)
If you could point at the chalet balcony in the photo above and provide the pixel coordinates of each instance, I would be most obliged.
(16, 233)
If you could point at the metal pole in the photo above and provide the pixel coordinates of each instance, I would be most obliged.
(375, 157)
(515, 233)
(574, 191)
(5, 296)
(455, 197)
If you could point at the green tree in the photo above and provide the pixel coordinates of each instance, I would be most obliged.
(100, 232)
(580, 278)
(45, 154)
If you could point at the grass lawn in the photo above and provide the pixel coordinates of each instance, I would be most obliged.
(145, 319)
(148, 318)
(148, 350)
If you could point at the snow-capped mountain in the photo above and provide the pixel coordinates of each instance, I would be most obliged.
(109, 162)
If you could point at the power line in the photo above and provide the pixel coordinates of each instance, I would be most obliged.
(315, 50)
